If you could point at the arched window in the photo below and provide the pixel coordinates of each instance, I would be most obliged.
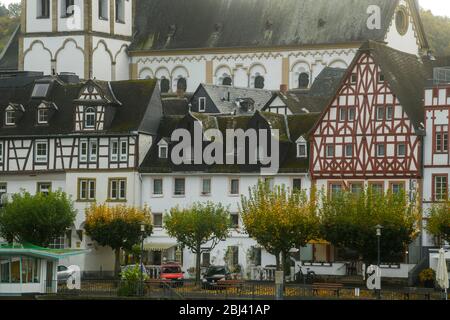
(90, 117)
(259, 82)
(303, 80)
(182, 84)
(227, 81)
(164, 85)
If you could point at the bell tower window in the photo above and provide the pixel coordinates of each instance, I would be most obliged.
(67, 8)
(303, 80)
(120, 11)
(103, 9)
(43, 9)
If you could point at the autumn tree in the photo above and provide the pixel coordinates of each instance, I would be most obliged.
(439, 221)
(197, 226)
(117, 227)
(37, 219)
(279, 219)
(349, 220)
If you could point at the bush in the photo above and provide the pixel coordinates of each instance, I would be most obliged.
(131, 278)
(427, 276)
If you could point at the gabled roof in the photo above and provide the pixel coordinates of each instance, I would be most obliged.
(140, 108)
(196, 24)
(219, 96)
(406, 75)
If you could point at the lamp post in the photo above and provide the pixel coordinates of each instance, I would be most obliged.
(141, 260)
(379, 228)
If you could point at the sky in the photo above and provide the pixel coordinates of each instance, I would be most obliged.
(438, 7)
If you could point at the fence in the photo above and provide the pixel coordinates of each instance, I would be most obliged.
(237, 290)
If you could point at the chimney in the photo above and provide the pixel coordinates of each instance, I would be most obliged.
(283, 88)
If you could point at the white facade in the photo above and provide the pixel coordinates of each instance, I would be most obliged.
(220, 193)
(436, 149)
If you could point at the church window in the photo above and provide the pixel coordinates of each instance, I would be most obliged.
(67, 8)
(259, 82)
(120, 11)
(401, 21)
(303, 80)
(103, 9)
(227, 81)
(89, 118)
(43, 9)
(164, 85)
(182, 84)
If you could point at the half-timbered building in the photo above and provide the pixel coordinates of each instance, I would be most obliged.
(371, 133)
(86, 138)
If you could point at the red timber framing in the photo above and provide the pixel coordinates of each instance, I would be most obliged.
(363, 91)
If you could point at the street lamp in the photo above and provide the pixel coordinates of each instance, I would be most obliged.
(141, 259)
(379, 228)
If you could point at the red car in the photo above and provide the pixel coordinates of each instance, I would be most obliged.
(171, 272)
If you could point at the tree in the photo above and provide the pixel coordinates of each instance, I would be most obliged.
(439, 221)
(436, 29)
(117, 227)
(199, 225)
(36, 219)
(349, 221)
(14, 10)
(279, 219)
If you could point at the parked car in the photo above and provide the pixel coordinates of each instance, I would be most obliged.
(171, 272)
(64, 273)
(214, 275)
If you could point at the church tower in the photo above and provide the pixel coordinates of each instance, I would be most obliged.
(87, 37)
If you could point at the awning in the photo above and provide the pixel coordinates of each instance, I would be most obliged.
(39, 252)
(318, 242)
(158, 246)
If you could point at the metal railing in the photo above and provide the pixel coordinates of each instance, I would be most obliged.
(244, 290)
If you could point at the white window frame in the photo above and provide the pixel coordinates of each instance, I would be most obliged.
(201, 102)
(398, 150)
(203, 193)
(123, 144)
(380, 113)
(327, 154)
(121, 189)
(351, 113)
(93, 145)
(10, 117)
(41, 187)
(114, 156)
(377, 150)
(84, 150)
(175, 185)
(2, 151)
(91, 185)
(299, 154)
(161, 147)
(162, 220)
(153, 187)
(389, 113)
(345, 150)
(40, 158)
(42, 111)
(230, 187)
(88, 114)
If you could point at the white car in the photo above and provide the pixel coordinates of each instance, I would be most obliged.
(64, 273)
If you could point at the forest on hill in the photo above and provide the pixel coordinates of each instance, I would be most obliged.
(437, 28)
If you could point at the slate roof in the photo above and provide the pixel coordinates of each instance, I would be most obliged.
(406, 74)
(195, 24)
(140, 108)
(219, 96)
(9, 58)
(173, 106)
(290, 127)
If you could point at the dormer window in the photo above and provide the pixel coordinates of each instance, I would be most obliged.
(42, 116)
(202, 104)
(90, 116)
(10, 116)
(302, 148)
(163, 150)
